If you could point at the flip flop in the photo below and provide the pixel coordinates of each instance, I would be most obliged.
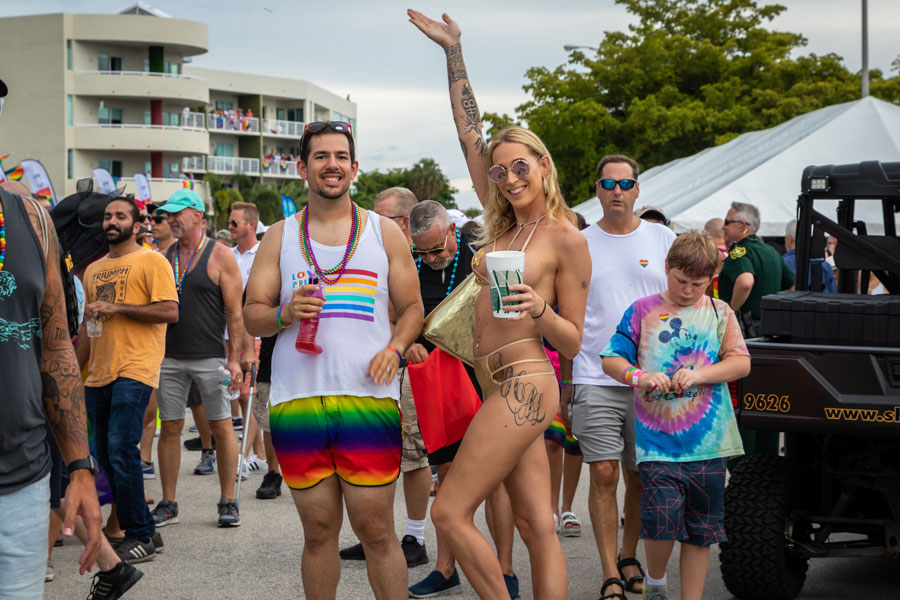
(570, 525)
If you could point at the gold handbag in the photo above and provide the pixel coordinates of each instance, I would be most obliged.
(451, 325)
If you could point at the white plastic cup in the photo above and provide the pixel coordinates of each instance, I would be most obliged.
(93, 326)
(504, 268)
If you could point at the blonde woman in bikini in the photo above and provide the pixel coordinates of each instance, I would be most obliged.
(516, 182)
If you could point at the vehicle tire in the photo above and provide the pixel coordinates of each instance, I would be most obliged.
(755, 562)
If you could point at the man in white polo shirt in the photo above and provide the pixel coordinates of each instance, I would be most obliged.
(628, 256)
(242, 223)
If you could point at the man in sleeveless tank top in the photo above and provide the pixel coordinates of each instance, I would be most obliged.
(334, 418)
(46, 387)
(628, 257)
(208, 283)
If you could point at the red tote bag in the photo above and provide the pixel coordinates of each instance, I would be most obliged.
(446, 400)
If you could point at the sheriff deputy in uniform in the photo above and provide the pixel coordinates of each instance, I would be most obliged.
(752, 269)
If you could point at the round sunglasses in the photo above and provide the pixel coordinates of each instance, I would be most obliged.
(610, 184)
(519, 167)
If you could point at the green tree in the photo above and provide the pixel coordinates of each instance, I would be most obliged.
(688, 75)
(222, 201)
(425, 179)
(472, 212)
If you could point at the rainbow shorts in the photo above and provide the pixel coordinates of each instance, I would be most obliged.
(359, 438)
(561, 435)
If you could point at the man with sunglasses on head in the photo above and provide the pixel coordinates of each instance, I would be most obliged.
(628, 255)
(333, 399)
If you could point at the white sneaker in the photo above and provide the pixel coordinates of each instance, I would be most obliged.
(257, 466)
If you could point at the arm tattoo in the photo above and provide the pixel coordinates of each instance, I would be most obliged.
(584, 285)
(472, 119)
(524, 400)
(456, 69)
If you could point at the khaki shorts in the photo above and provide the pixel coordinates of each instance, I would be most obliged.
(413, 455)
(261, 405)
(603, 423)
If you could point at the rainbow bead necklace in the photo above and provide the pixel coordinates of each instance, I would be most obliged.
(309, 255)
(2, 241)
(179, 276)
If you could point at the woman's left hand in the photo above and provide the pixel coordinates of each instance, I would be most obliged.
(525, 300)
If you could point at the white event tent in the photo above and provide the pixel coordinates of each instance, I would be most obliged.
(764, 168)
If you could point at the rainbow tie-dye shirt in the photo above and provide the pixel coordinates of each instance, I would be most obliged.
(658, 336)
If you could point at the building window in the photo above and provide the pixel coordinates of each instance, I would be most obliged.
(109, 116)
(106, 62)
(224, 149)
(146, 65)
(222, 105)
(69, 54)
(173, 170)
(295, 114)
(70, 168)
(148, 119)
(279, 114)
(69, 110)
(113, 166)
(148, 166)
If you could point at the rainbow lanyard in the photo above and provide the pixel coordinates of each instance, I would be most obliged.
(179, 277)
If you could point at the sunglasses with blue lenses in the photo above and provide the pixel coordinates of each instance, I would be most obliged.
(610, 184)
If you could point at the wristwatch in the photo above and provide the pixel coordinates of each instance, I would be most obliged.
(84, 463)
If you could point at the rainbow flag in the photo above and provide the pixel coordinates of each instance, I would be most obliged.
(4, 157)
(352, 297)
(16, 173)
(246, 125)
(187, 183)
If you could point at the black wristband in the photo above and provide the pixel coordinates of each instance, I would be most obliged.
(542, 312)
(89, 463)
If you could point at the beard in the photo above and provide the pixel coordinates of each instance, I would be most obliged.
(331, 193)
(122, 236)
(440, 264)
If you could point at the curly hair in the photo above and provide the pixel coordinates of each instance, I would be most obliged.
(498, 214)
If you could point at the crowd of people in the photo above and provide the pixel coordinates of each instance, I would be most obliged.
(614, 351)
(229, 118)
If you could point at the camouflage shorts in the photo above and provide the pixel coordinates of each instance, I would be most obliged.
(413, 455)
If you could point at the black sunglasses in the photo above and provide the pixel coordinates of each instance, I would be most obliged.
(610, 184)
(433, 250)
(158, 220)
(727, 222)
(339, 126)
(233, 223)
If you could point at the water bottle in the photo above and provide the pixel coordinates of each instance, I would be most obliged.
(224, 382)
(306, 337)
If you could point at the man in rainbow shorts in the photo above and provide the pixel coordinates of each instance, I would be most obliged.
(334, 418)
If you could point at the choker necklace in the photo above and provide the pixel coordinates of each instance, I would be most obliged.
(452, 273)
(307, 250)
(521, 225)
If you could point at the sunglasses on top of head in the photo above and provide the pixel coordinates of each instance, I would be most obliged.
(610, 184)
(338, 126)
(519, 167)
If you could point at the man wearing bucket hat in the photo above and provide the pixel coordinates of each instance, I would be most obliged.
(208, 283)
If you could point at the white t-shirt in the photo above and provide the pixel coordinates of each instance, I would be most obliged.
(624, 269)
(245, 262)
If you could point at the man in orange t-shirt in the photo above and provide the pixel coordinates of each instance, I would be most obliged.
(130, 295)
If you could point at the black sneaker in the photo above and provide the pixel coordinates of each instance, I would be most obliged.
(413, 551)
(270, 487)
(228, 513)
(165, 513)
(135, 550)
(196, 445)
(157, 542)
(354, 552)
(112, 584)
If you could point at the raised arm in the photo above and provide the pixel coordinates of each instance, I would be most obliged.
(466, 115)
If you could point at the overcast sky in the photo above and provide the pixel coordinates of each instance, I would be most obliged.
(397, 77)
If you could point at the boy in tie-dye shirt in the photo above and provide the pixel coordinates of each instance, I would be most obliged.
(678, 349)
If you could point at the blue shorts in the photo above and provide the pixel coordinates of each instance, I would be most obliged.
(683, 501)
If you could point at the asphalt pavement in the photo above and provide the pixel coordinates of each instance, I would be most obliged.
(261, 558)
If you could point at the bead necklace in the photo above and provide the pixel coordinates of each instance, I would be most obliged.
(306, 246)
(452, 273)
(2, 241)
(179, 276)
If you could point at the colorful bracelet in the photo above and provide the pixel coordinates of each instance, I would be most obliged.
(636, 376)
(278, 318)
(399, 355)
(565, 383)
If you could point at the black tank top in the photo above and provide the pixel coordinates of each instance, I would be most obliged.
(200, 330)
(24, 453)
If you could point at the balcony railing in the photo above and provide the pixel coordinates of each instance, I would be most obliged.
(140, 126)
(236, 124)
(280, 168)
(193, 163)
(193, 120)
(232, 164)
(139, 74)
(281, 127)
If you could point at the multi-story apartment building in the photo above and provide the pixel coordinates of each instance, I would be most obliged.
(114, 91)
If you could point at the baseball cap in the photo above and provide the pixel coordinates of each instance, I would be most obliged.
(652, 212)
(182, 199)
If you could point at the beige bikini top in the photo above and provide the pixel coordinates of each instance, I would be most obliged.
(479, 256)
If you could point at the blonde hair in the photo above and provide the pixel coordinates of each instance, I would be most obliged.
(695, 254)
(498, 214)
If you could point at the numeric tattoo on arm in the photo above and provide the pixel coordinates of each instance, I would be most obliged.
(472, 119)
